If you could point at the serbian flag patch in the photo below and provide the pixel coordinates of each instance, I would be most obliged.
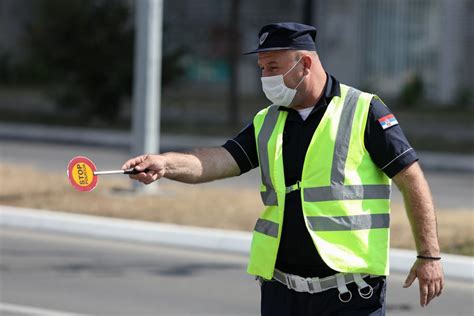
(388, 121)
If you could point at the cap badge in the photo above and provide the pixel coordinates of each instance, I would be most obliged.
(263, 37)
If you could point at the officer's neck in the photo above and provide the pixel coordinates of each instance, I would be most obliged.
(316, 84)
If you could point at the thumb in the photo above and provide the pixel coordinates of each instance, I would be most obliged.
(410, 279)
(147, 162)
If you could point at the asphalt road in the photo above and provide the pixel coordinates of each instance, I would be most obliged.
(450, 189)
(53, 275)
(85, 276)
(45, 274)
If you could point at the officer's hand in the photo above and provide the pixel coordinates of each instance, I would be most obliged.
(155, 164)
(430, 278)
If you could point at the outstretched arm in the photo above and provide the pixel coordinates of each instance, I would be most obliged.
(422, 217)
(196, 166)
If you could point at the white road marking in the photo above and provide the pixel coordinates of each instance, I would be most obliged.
(32, 311)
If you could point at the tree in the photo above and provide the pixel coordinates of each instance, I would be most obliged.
(84, 50)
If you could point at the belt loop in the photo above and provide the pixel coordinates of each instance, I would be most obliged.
(309, 283)
(342, 288)
(316, 283)
(288, 281)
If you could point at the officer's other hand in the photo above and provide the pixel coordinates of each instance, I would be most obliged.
(154, 163)
(430, 278)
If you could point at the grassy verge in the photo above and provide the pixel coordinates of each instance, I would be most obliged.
(206, 206)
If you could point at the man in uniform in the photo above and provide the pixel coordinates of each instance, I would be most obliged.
(327, 153)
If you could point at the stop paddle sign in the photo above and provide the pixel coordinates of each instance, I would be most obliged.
(81, 173)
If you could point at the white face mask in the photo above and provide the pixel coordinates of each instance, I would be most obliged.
(276, 90)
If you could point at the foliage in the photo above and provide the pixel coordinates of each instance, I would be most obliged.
(4, 66)
(84, 50)
(465, 97)
(412, 93)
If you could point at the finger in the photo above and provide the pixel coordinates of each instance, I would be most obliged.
(147, 177)
(441, 286)
(149, 180)
(144, 164)
(431, 292)
(137, 176)
(438, 288)
(128, 164)
(132, 162)
(150, 173)
(423, 294)
(411, 277)
(141, 177)
(151, 177)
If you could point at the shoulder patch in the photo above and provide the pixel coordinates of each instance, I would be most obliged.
(388, 121)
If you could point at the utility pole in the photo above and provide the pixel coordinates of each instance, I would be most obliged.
(147, 79)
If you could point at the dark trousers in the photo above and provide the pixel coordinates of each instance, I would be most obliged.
(278, 300)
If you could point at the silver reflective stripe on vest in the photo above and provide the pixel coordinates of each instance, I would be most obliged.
(341, 147)
(269, 197)
(347, 192)
(355, 222)
(267, 227)
(337, 190)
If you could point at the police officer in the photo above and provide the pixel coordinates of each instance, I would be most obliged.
(327, 153)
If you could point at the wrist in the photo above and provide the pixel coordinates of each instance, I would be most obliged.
(430, 251)
(165, 163)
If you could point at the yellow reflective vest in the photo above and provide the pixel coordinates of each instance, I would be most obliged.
(345, 197)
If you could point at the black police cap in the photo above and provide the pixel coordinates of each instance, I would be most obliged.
(289, 35)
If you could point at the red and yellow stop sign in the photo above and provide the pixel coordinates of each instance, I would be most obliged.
(80, 172)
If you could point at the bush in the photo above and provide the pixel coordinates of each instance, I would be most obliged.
(412, 93)
(84, 51)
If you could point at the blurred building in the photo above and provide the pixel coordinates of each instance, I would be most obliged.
(380, 44)
(13, 15)
(371, 44)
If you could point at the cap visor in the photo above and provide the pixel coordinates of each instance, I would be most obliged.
(267, 50)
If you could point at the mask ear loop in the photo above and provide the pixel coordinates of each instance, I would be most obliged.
(304, 76)
(293, 66)
(302, 79)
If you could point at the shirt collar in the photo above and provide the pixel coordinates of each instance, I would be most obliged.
(331, 89)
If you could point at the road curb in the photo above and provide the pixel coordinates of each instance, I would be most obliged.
(125, 230)
(459, 267)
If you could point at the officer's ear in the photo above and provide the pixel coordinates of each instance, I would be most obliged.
(307, 63)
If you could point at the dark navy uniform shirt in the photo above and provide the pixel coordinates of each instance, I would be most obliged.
(388, 148)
